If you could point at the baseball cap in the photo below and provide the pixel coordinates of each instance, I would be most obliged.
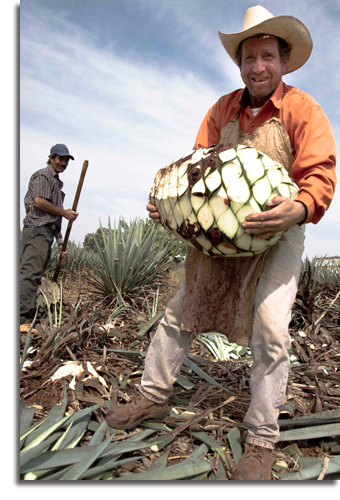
(61, 150)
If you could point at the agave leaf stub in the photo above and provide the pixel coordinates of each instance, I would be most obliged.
(204, 197)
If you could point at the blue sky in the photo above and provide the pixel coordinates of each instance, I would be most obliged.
(126, 84)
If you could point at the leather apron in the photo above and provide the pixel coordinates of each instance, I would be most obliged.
(220, 291)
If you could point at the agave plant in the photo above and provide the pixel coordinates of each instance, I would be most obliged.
(131, 258)
(77, 258)
(320, 272)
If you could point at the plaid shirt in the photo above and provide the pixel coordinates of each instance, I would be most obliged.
(44, 183)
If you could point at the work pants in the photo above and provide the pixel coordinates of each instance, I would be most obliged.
(270, 343)
(35, 256)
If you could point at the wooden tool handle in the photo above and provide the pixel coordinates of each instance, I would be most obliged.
(69, 226)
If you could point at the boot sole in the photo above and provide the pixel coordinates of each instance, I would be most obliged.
(123, 427)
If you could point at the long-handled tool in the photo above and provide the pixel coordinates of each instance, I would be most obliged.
(74, 208)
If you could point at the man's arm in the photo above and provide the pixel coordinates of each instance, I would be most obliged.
(313, 171)
(46, 206)
(315, 157)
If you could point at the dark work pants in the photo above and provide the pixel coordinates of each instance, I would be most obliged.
(36, 253)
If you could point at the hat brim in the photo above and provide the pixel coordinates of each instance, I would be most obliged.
(63, 154)
(288, 28)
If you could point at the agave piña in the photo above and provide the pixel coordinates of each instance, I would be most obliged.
(204, 197)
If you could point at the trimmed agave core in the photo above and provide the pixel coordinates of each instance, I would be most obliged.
(204, 197)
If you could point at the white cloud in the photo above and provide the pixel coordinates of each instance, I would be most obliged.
(127, 119)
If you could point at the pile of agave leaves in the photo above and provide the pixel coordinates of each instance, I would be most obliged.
(86, 356)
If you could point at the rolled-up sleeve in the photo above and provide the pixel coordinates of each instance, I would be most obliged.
(315, 158)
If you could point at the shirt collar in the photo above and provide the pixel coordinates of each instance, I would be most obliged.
(276, 97)
(52, 171)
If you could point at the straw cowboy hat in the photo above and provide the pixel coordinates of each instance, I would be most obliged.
(259, 21)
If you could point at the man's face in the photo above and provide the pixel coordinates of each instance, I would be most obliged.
(59, 163)
(261, 68)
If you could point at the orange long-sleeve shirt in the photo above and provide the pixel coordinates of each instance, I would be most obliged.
(310, 135)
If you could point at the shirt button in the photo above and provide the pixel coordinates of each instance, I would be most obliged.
(253, 124)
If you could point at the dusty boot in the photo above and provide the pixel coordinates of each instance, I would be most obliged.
(133, 413)
(255, 464)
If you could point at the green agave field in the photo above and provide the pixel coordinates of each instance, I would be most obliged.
(87, 353)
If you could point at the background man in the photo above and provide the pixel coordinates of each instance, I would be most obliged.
(44, 212)
(290, 127)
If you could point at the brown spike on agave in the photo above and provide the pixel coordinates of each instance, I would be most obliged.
(204, 197)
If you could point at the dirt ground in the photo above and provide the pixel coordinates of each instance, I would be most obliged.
(107, 345)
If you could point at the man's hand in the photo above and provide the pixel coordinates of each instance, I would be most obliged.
(153, 214)
(62, 254)
(285, 214)
(70, 215)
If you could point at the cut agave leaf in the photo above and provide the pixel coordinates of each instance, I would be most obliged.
(313, 471)
(227, 249)
(251, 208)
(44, 434)
(197, 201)
(283, 190)
(197, 156)
(200, 452)
(34, 427)
(185, 383)
(213, 180)
(208, 440)
(54, 415)
(217, 204)
(258, 245)
(324, 417)
(256, 171)
(273, 240)
(234, 438)
(228, 224)
(247, 155)
(76, 432)
(228, 155)
(268, 162)
(178, 215)
(60, 458)
(262, 191)
(61, 439)
(313, 432)
(244, 241)
(171, 473)
(205, 243)
(275, 177)
(185, 206)
(27, 454)
(183, 183)
(160, 442)
(204, 375)
(231, 172)
(160, 462)
(205, 217)
(239, 191)
(79, 468)
(109, 465)
(26, 417)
